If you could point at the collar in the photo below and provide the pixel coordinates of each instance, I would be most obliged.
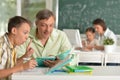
(106, 32)
(8, 41)
(52, 37)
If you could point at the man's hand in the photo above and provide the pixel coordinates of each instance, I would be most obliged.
(51, 63)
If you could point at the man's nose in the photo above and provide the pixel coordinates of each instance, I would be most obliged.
(26, 37)
(48, 28)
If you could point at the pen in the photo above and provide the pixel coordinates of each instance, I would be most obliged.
(59, 71)
(26, 59)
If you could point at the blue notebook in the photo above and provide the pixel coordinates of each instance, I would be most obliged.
(64, 54)
(40, 61)
(62, 63)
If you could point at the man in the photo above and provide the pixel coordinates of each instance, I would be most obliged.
(46, 40)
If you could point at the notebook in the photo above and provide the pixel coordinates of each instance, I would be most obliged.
(40, 61)
(79, 68)
(62, 62)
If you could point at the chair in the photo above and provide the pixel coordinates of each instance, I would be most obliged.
(74, 37)
(118, 40)
(90, 57)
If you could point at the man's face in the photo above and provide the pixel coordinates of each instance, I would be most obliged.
(45, 27)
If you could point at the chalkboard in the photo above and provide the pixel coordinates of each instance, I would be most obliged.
(79, 14)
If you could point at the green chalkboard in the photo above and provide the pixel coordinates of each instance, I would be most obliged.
(79, 14)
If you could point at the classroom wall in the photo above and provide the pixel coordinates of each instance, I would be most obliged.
(49, 4)
(79, 14)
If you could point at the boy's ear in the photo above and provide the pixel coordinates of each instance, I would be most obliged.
(14, 30)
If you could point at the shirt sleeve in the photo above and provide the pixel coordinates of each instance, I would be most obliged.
(1, 58)
(96, 42)
(65, 45)
(0, 55)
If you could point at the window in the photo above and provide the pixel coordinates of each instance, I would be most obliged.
(7, 9)
(27, 9)
(31, 7)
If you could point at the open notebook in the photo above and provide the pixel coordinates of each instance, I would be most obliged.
(62, 62)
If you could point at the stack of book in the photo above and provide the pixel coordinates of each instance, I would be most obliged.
(78, 69)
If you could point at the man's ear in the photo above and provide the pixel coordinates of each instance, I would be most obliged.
(14, 30)
(36, 22)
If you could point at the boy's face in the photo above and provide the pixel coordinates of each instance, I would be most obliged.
(21, 33)
(90, 35)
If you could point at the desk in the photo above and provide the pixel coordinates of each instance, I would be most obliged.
(99, 72)
(113, 57)
(90, 57)
(98, 56)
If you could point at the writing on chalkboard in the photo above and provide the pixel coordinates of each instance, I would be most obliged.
(79, 14)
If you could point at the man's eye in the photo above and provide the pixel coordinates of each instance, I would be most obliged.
(51, 25)
(43, 25)
(25, 32)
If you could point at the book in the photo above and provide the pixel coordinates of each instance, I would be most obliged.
(40, 61)
(81, 73)
(62, 56)
(62, 63)
(79, 68)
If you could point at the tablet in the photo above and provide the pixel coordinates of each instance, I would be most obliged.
(40, 61)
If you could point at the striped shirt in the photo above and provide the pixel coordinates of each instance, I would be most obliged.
(7, 54)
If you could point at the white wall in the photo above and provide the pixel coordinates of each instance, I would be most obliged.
(49, 4)
(54, 8)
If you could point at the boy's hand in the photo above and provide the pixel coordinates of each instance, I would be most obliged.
(30, 64)
(29, 50)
